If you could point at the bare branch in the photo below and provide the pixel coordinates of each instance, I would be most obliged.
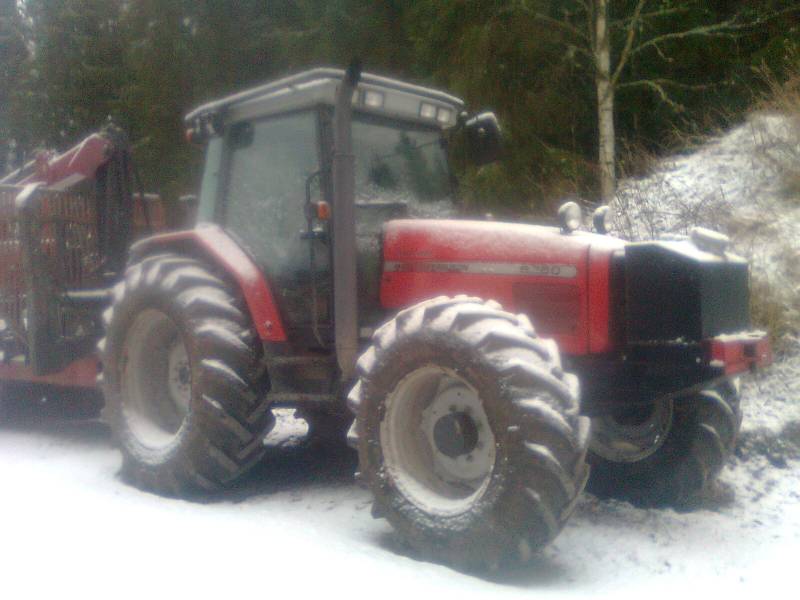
(728, 28)
(631, 35)
(667, 82)
(722, 29)
(661, 54)
(646, 16)
(590, 19)
(659, 86)
(658, 89)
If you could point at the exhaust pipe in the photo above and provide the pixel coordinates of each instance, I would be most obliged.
(345, 285)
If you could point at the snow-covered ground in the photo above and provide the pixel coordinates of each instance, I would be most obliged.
(299, 528)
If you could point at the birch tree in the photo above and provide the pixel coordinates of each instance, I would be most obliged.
(609, 38)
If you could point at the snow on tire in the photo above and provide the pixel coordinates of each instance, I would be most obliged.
(183, 378)
(468, 432)
(685, 458)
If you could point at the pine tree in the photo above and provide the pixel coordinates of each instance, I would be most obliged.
(12, 61)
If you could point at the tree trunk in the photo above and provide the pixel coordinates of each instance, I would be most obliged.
(605, 105)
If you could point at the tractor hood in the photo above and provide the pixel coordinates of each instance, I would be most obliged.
(562, 280)
(453, 245)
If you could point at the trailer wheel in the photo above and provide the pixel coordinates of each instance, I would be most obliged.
(668, 453)
(183, 378)
(468, 432)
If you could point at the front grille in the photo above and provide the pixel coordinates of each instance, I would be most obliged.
(674, 292)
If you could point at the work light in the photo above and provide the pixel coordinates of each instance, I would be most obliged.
(569, 217)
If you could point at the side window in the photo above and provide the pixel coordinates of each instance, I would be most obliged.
(269, 163)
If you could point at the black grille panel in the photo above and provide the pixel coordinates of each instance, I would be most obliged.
(673, 292)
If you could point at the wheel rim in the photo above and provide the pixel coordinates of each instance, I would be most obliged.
(156, 382)
(436, 440)
(634, 434)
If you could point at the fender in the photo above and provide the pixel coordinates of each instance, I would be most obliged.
(218, 247)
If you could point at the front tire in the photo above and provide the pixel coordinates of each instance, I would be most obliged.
(183, 378)
(468, 432)
(677, 463)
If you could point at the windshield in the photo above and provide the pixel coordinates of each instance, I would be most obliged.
(401, 165)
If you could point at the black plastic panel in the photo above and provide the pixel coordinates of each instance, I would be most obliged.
(672, 295)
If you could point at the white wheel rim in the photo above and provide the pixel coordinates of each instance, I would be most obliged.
(155, 381)
(627, 440)
(437, 443)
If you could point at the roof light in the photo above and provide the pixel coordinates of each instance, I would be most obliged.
(569, 217)
(373, 99)
(443, 115)
(427, 111)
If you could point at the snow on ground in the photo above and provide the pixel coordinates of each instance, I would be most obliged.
(299, 527)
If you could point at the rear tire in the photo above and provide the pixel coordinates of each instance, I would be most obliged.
(468, 432)
(183, 378)
(684, 461)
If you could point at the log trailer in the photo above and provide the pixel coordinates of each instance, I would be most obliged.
(329, 272)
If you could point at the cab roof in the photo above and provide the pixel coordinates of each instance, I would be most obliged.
(318, 86)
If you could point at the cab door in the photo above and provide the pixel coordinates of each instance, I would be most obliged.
(269, 163)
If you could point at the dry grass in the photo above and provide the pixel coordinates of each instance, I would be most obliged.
(783, 154)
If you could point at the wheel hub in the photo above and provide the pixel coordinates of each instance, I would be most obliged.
(633, 434)
(455, 435)
(180, 376)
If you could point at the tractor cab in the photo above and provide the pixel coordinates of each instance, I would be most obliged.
(269, 180)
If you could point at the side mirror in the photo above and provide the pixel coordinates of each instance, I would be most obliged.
(484, 139)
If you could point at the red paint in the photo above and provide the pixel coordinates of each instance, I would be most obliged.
(740, 354)
(79, 374)
(557, 308)
(600, 299)
(81, 161)
(415, 245)
(156, 215)
(219, 247)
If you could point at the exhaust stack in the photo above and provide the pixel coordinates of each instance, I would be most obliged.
(345, 285)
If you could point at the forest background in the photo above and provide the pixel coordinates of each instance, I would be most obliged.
(676, 69)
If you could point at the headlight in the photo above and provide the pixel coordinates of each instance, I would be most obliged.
(569, 217)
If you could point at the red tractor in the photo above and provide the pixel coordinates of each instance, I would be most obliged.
(327, 232)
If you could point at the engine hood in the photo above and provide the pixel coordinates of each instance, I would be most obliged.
(560, 280)
(489, 242)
